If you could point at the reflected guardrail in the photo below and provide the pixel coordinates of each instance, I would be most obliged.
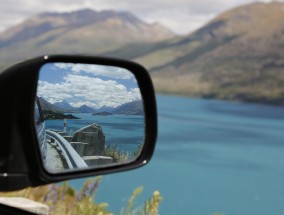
(42, 138)
(73, 159)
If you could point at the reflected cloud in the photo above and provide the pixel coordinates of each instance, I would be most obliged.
(107, 71)
(79, 87)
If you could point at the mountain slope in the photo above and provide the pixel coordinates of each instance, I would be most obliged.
(45, 105)
(84, 31)
(130, 108)
(85, 109)
(104, 109)
(239, 55)
(65, 106)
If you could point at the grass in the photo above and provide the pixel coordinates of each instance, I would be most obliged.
(120, 155)
(151, 207)
(63, 199)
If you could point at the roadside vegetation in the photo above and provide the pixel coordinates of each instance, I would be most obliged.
(120, 155)
(63, 199)
(50, 115)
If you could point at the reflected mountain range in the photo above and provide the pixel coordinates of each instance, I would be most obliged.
(129, 108)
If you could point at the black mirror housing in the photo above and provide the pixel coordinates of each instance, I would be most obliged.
(21, 162)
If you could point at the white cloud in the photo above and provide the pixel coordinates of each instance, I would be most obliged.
(107, 71)
(182, 16)
(94, 92)
(53, 92)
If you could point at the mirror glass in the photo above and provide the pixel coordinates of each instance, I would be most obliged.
(87, 116)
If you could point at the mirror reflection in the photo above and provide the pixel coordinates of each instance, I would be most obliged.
(87, 116)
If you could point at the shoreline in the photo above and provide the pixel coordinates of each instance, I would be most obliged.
(221, 100)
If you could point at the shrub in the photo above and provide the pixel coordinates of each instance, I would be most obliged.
(63, 199)
(117, 154)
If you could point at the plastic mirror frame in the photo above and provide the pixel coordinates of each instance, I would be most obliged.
(36, 172)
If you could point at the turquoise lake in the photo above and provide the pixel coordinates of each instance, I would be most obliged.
(125, 132)
(211, 156)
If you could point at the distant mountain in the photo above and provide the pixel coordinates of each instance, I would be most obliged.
(105, 109)
(239, 55)
(65, 106)
(47, 106)
(85, 109)
(130, 108)
(50, 111)
(83, 31)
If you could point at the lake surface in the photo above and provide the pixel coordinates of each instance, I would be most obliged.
(211, 156)
(125, 132)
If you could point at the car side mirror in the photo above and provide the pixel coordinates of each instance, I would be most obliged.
(66, 117)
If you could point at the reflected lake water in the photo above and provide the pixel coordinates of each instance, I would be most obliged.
(125, 132)
(211, 156)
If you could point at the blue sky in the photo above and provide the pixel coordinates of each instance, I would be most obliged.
(83, 84)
